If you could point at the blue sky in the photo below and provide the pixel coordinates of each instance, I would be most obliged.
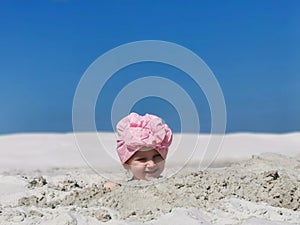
(253, 48)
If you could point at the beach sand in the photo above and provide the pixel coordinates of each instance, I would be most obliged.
(249, 187)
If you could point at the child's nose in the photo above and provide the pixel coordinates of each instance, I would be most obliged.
(150, 163)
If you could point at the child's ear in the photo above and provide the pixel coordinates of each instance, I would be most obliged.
(126, 166)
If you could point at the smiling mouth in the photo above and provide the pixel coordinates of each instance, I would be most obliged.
(151, 172)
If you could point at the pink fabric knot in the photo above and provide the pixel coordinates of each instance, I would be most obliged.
(136, 131)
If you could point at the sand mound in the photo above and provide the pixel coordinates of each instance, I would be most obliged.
(266, 187)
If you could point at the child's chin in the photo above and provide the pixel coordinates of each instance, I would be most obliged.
(151, 177)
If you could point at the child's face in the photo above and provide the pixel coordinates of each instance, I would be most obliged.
(145, 165)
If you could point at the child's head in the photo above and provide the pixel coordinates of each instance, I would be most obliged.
(142, 145)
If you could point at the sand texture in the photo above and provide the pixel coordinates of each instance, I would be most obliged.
(264, 189)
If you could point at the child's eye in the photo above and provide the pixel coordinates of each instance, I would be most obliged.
(141, 159)
(156, 157)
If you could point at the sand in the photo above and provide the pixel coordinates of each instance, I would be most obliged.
(261, 188)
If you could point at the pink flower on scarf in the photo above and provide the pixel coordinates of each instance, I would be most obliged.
(135, 132)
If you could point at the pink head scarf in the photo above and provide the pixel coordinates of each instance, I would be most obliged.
(136, 132)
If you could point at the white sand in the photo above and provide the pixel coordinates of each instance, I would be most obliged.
(44, 180)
